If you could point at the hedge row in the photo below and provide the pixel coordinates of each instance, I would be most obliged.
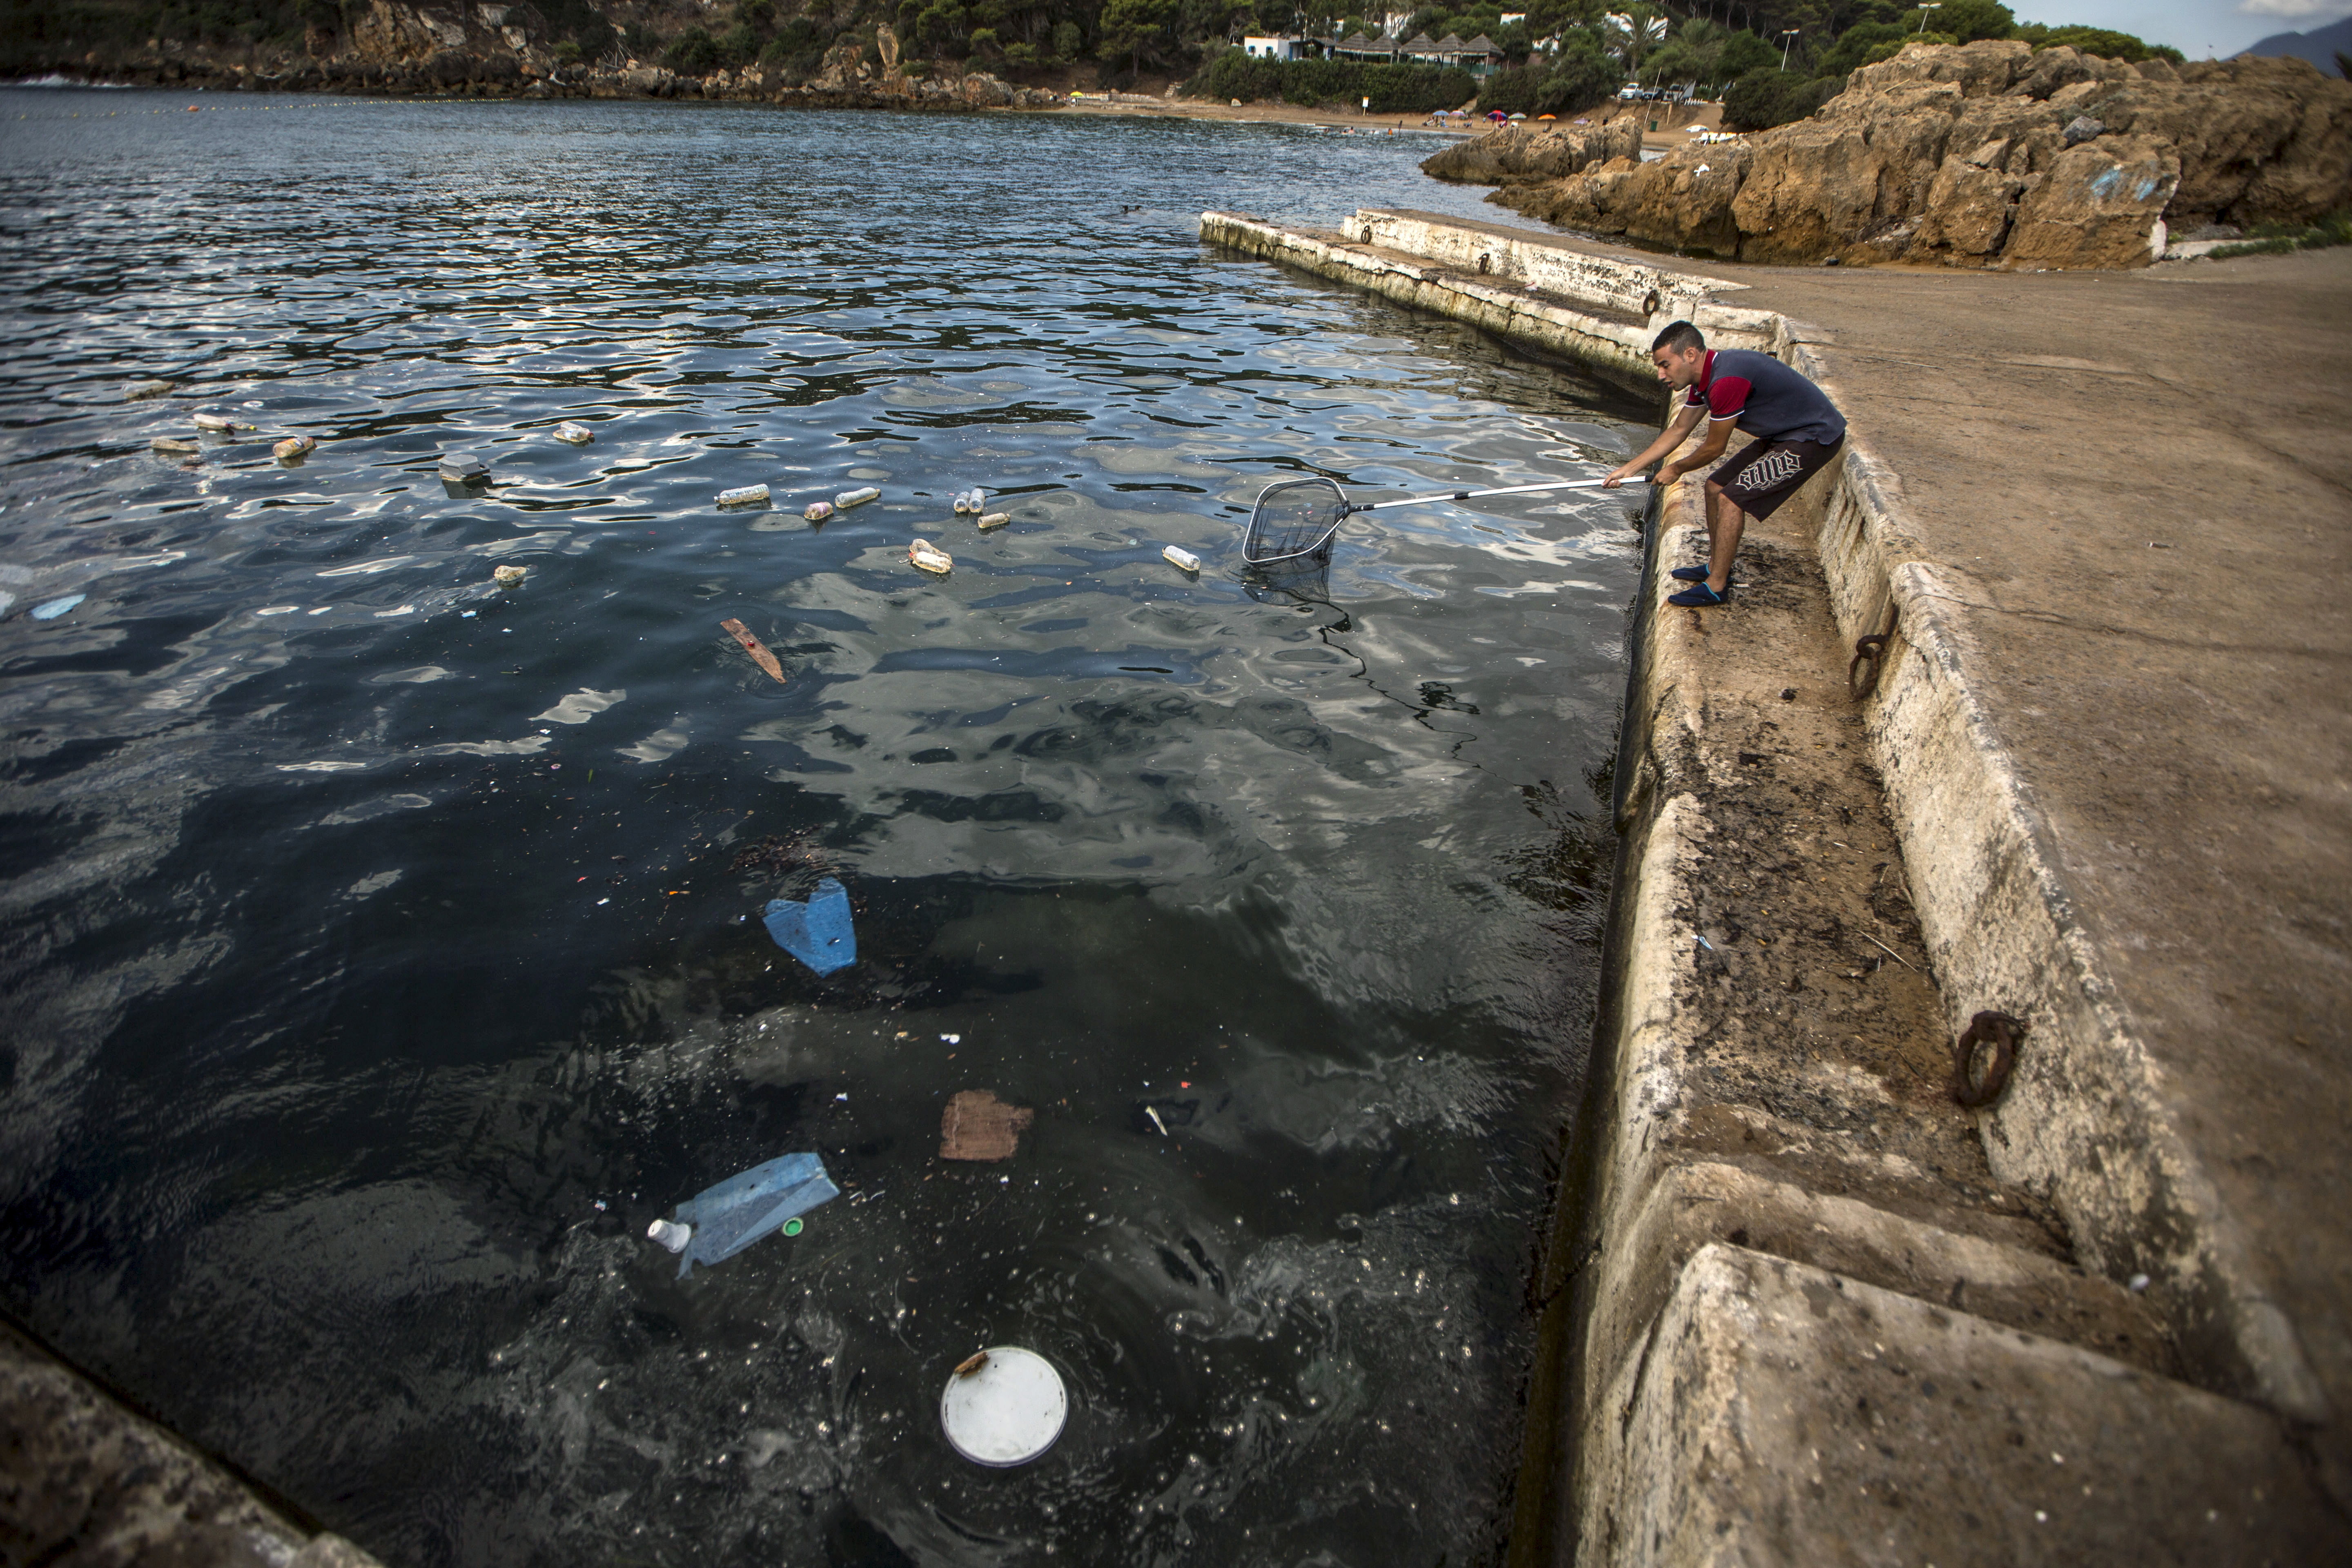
(1393, 90)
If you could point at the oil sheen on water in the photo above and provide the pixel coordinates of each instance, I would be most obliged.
(386, 944)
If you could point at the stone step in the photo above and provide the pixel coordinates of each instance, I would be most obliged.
(1781, 1414)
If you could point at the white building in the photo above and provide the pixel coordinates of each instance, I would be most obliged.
(1274, 48)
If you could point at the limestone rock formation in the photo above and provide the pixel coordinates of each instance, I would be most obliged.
(1521, 152)
(1983, 155)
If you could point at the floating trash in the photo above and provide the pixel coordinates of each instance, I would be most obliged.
(140, 390)
(1003, 1406)
(458, 469)
(819, 932)
(974, 499)
(720, 1222)
(848, 499)
(171, 446)
(294, 448)
(1182, 559)
(508, 576)
(743, 495)
(756, 648)
(817, 510)
(994, 519)
(977, 1125)
(577, 434)
(55, 607)
(931, 557)
(220, 424)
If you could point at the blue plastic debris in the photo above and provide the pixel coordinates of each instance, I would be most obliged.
(721, 1221)
(817, 932)
(55, 607)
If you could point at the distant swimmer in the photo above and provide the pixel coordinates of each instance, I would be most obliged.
(1797, 429)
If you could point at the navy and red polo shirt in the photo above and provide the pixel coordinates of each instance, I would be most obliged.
(1766, 398)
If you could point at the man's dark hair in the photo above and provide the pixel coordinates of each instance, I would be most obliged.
(1678, 336)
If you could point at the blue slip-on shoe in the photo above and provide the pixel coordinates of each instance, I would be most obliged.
(1689, 573)
(1700, 597)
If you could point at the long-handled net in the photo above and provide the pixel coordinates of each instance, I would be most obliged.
(1298, 517)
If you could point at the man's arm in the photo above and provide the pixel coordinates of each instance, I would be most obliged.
(1675, 435)
(1718, 435)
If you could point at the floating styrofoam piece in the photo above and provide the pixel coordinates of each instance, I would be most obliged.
(1004, 1406)
(994, 519)
(574, 433)
(817, 510)
(819, 932)
(930, 557)
(858, 497)
(743, 495)
(721, 1221)
(508, 576)
(459, 468)
(55, 607)
(1182, 559)
(294, 448)
(172, 447)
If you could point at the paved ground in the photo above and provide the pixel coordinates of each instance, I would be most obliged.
(2147, 478)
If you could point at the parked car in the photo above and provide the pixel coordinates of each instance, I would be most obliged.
(1630, 92)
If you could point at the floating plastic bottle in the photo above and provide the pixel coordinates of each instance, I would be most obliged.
(577, 434)
(848, 499)
(994, 519)
(974, 499)
(294, 448)
(1182, 559)
(817, 510)
(930, 557)
(743, 495)
(720, 1222)
(220, 424)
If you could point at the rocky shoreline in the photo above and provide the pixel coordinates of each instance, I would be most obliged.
(498, 51)
(1987, 154)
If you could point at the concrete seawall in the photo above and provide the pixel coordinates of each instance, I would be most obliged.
(1803, 1306)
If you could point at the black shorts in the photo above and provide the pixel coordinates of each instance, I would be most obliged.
(1769, 472)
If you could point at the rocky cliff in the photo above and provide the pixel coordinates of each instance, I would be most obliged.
(1983, 155)
(508, 51)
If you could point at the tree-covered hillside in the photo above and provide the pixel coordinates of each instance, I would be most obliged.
(1774, 59)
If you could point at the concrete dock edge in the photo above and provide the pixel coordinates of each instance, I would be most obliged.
(86, 1480)
(2083, 1131)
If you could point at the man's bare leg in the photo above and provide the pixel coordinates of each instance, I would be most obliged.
(1725, 524)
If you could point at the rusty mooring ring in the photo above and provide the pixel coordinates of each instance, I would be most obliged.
(2000, 1029)
(1870, 650)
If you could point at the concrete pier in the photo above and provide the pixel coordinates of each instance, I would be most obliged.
(85, 1480)
(2101, 765)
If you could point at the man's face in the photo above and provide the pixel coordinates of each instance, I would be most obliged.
(1679, 368)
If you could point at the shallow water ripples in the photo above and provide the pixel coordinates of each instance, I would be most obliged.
(378, 965)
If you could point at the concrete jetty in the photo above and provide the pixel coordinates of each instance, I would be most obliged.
(2033, 706)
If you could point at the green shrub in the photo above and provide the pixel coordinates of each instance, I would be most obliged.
(1763, 98)
(1393, 88)
(1070, 41)
(798, 48)
(2279, 239)
(692, 53)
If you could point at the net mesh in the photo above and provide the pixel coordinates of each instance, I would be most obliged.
(1293, 518)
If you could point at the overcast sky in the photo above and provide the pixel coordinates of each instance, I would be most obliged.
(2196, 28)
